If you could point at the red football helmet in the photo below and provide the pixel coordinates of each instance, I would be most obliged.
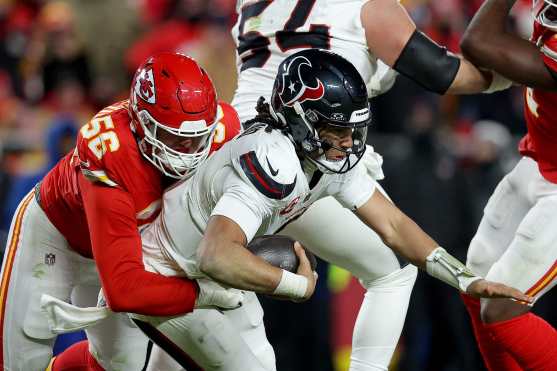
(545, 13)
(174, 112)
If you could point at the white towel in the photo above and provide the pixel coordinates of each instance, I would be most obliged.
(64, 317)
(373, 162)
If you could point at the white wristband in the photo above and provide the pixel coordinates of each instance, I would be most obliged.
(498, 83)
(291, 285)
(445, 267)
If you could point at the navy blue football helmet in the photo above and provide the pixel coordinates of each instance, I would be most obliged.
(314, 88)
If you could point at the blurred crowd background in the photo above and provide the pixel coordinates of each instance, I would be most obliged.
(61, 61)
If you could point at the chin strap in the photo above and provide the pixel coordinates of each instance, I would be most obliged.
(445, 267)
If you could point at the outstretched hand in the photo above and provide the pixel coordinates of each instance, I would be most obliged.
(493, 290)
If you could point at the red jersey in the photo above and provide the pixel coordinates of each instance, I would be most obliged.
(540, 111)
(100, 194)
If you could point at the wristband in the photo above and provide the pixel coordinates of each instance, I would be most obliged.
(291, 285)
(445, 267)
(498, 82)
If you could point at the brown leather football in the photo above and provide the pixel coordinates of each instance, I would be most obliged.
(278, 250)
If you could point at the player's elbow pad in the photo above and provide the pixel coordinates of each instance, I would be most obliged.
(427, 63)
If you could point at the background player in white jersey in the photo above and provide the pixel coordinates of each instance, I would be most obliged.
(374, 36)
(305, 146)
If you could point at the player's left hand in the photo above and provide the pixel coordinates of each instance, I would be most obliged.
(213, 295)
(487, 289)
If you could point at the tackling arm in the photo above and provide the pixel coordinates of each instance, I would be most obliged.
(488, 44)
(118, 255)
(413, 54)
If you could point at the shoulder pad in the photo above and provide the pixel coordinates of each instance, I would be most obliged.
(271, 166)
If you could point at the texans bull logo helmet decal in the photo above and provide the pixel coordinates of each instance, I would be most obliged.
(294, 88)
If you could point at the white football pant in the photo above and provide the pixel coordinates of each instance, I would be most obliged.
(38, 261)
(225, 341)
(336, 235)
(516, 242)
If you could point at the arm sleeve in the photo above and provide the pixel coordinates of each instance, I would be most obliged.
(116, 243)
(354, 189)
(242, 204)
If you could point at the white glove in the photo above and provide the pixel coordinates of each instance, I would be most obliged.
(213, 295)
(373, 162)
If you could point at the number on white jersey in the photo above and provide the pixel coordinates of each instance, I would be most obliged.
(253, 47)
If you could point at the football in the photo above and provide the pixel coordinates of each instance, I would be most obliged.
(278, 251)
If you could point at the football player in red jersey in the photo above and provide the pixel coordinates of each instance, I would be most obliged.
(515, 242)
(93, 203)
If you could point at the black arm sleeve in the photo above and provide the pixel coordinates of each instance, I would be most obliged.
(428, 64)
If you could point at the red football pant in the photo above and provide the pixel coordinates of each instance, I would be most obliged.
(76, 358)
(495, 356)
(529, 339)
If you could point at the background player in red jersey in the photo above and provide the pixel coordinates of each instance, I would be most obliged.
(93, 203)
(516, 240)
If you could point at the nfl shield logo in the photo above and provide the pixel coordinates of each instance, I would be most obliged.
(49, 259)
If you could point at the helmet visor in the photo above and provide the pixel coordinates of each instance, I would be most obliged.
(185, 143)
(176, 152)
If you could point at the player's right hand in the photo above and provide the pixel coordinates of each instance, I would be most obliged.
(213, 295)
(487, 289)
(304, 269)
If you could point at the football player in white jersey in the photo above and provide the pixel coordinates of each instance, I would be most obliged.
(379, 38)
(306, 145)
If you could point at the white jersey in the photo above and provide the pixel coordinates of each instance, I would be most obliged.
(257, 181)
(268, 31)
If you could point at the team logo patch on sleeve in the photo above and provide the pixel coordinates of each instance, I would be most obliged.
(261, 180)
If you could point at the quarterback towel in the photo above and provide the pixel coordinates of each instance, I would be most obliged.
(64, 317)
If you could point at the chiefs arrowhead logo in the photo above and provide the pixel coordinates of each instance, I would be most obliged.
(145, 86)
(294, 88)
